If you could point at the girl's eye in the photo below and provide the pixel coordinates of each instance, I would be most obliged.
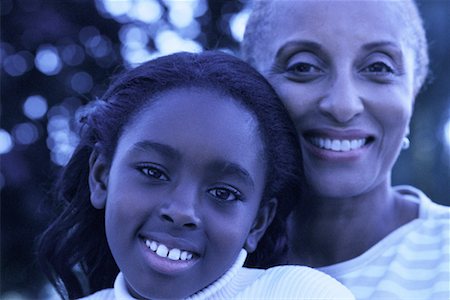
(378, 68)
(154, 173)
(225, 194)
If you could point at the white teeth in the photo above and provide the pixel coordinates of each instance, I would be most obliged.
(345, 145)
(153, 246)
(338, 145)
(163, 251)
(174, 254)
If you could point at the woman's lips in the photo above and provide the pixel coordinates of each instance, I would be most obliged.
(338, 140)
(339, 145)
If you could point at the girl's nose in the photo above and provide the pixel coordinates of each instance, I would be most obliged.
(342, 102)
(181, 211)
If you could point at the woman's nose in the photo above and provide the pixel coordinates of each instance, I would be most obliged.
(342, 102)
(181, 210)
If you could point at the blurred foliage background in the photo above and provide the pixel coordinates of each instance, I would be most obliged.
(56, 55)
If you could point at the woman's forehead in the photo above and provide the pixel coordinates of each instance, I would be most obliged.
(350, 15)
(331, 22)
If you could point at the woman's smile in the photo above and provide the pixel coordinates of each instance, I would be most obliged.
(337, 144)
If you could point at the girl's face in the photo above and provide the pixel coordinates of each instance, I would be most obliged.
(345, 72)
(183, 192)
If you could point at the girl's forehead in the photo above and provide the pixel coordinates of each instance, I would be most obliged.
(177, 101)
(194, 108)
(201, 127)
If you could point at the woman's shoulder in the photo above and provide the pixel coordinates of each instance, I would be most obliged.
(299, 282)
(427, 208)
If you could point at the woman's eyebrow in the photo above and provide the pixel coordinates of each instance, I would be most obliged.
(162, 149)
(287, 47)
(381, 44)
(392, 49)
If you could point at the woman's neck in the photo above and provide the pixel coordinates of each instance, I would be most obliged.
(336, 230)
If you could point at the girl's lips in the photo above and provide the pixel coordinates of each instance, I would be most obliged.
(166, 260)
(171, 253)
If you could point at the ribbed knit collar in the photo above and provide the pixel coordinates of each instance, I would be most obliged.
(121, 291)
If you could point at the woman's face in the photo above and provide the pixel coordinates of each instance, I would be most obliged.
(345, 73)
(183, 192)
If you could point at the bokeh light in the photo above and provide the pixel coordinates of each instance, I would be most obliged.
(73, 55)
(147, 11)
(47, 60)
(61, 140)
(6, 142)
(115, 8)
(447, 135)
(18, 64)
(168, 41)
(81, 82)
(35, 107)
(133, 36)
(181, 13)
(98, 46)
(238, 23)
(25, 133)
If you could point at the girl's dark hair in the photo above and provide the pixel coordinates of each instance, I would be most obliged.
(73, 251)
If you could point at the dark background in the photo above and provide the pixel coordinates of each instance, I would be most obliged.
(56, 55)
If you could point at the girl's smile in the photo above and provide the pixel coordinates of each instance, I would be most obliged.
(167, 259)
(183, 192)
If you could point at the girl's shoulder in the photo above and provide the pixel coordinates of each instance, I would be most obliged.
(106, 294)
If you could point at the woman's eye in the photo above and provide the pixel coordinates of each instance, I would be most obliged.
(303, 72)
(225, 194)
(304, 68)
(154, 173)
(379, 68)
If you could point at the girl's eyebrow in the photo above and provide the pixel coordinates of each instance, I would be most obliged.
(231, 169)
(162, 149)
(223, 166)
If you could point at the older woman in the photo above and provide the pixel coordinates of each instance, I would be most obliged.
(348, 72)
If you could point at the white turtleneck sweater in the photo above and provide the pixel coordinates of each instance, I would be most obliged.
(282, 282)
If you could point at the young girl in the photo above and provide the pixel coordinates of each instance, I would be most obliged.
(181, 168)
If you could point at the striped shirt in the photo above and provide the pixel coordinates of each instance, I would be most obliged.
(410, 263)
(283, 282)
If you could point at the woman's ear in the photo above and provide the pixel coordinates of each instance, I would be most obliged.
(265, 215)
(98, 179)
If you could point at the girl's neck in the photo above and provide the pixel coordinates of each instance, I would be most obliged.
(336, 230)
